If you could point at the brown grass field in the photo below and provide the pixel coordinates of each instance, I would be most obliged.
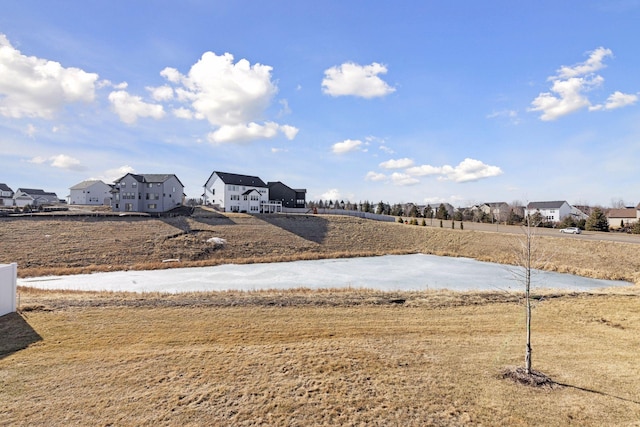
(300, 358)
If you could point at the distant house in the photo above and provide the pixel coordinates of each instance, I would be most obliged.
(624, 217)
(91, 192)
(151, 193)
(435, 206)
(289, 197)
(236, 193)
(499, 211)
(554, 211)
(34, 197)
(6, 195)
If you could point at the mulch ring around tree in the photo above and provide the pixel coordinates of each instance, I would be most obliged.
(533, 379)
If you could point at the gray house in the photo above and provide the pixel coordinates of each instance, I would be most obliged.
(34, 197)
(289, 197)
(91, 192)
(6, 195)
(151, 193)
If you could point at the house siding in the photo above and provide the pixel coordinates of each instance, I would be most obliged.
(137, 193)
(90, 193)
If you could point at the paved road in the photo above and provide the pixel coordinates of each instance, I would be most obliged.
(514, 229)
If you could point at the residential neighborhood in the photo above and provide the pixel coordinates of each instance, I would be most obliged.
(242, 193)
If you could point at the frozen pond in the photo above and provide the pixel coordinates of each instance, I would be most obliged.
(385, 273)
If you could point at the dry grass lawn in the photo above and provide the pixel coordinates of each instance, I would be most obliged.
(300, 358)
(316, 358)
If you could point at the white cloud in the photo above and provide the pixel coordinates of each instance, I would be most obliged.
(570, 85)
(233, 97)
(386, 149)
(250, 132)
(161, 93)
(110, 175)
(130, 107)
(466, 171)
(38, 160)
(35, 87)
(183, 113)
(289, 131)
(332, 194)
(619, 99)
(374, 176)
(61, 161)
(223, 92)
(356, 80)
(591, 65)
(424, 170)
(397, 164)
(346, 146)
(403, 179)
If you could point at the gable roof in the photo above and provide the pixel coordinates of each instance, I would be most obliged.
(35, 192)
(150, 177)
(622, 213)
(85, 184)
(237, 179)
(546, 205)
(5, 187)
(295, 190)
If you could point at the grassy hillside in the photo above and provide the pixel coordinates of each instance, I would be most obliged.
(43, 246)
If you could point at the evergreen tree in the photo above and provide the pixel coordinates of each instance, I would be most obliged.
(442, 212)
(597, 221)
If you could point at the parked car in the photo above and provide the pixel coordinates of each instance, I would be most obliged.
(571, 230)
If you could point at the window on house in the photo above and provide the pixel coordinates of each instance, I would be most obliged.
(152, 206)
(123, 184)
(134, 184)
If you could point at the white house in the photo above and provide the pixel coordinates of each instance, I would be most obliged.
(236, 193)
(91, 192)
(151, 193)
(34, 197)
(6, 195)
(554, 211)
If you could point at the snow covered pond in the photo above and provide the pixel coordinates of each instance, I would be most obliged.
(385, 273)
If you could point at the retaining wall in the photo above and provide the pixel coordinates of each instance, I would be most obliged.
(8, 282)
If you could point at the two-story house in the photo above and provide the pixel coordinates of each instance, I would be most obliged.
(90, 192)
(34, 197)
(236, 193)
(6, 195)
(554, 211)
(289, 197)
(151, 193)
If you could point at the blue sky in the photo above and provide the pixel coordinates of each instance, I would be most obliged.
(413, 101)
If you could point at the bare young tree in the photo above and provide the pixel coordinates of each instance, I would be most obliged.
(528, 257)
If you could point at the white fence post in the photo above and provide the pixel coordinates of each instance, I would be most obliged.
(8, 285)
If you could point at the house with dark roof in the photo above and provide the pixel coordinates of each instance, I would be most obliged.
(90, 192)
(235, 192)
(34, 197)
(554, 211)
(289, 197)
(151, 193)
(6, 195)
